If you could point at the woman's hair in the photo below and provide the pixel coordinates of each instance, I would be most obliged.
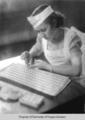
(56, 19)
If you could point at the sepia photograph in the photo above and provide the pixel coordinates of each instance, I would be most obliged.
(42, 57)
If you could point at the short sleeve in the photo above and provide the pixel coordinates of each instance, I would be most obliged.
(75, 42)
(71, 40)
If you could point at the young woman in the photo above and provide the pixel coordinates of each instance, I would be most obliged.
(60, 45)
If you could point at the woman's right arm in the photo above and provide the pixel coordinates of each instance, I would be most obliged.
(36, 50)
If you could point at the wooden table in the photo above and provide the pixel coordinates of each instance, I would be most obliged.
(72, 91)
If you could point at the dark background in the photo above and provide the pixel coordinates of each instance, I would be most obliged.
(17, 35)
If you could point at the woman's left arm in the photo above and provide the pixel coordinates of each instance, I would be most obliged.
(74, 67)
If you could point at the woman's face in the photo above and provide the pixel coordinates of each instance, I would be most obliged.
(45, 30)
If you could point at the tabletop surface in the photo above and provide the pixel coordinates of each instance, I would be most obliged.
(72, 91)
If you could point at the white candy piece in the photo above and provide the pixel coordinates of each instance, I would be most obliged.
(31, 99)
(8, 93)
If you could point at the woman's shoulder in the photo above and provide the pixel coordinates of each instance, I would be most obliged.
(72, 38)
(71, 32)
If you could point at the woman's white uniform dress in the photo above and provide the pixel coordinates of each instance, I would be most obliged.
(60, 56)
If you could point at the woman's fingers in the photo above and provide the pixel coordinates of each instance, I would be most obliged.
(25, 55)
(35, 65)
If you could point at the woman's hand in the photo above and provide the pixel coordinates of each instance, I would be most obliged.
(27, 57)
(42, 65)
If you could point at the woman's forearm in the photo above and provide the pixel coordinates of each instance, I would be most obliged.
(35, 51)
(67, 70)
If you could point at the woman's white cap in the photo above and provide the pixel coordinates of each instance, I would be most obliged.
(36, 20)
